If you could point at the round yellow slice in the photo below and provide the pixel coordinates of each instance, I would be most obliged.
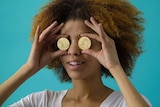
(84, 43)
(63, 43)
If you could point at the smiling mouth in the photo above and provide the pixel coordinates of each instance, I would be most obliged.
(73, 63)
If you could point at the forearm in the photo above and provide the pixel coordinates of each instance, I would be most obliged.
(10, 85)
(129, 92)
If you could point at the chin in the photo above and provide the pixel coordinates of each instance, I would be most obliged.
(77, 77)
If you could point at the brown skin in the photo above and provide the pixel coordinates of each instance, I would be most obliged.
(88, 89)
(121, 20)
(86, 69)
(39, 57)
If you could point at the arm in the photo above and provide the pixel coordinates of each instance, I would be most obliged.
(108, 57)
(10, 85)
(129, 92)
(39, 57)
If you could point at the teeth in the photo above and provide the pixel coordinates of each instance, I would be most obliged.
(75, 63)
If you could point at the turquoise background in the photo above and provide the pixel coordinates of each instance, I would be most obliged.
(15, 25)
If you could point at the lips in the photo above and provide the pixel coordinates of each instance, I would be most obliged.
(75, 63)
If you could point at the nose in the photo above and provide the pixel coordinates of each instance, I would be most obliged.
(74, 48)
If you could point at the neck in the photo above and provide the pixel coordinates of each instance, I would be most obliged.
(88, 88)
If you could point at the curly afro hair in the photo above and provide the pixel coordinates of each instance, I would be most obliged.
(121, 21)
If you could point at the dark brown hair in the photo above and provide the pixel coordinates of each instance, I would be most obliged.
(121, 21)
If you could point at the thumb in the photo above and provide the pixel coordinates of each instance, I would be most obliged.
(57, 54)
(90, 52)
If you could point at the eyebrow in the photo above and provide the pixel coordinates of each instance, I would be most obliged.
(79, 34)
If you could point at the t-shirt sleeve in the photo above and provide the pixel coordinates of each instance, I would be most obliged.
(147, 100)
(116, 99)
(37, 99)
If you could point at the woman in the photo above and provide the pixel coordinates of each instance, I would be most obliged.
(114, 28)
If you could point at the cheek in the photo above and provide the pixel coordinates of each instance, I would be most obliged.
(62, 59)
(94, 63)
(96, 45)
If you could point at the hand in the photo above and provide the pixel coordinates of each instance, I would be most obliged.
(40, 54)
(107, 56)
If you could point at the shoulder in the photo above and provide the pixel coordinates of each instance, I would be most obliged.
(116, 99)
(45, 98)
(47, 94)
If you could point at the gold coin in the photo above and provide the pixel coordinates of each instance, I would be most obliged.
(63, 43)
(84, 43)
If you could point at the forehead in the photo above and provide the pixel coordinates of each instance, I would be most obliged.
(75, 26)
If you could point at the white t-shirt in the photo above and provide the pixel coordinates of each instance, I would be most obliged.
(48, 98)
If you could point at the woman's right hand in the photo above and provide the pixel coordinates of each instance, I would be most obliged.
(40, 55)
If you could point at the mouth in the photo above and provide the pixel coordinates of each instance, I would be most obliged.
(75, 63)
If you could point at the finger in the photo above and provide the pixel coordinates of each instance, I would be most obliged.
(101, 30)
(90, 25)
(94, 22)
(47, 30)
(90, 52)
(54, 38)
(103, 35)
(36, 38)
(58, 53)
(57, 29)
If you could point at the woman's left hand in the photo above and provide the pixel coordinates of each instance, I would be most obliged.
(107, 56)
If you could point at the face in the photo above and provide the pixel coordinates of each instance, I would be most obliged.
(79, 66)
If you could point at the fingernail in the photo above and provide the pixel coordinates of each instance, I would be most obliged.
(55, 22)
